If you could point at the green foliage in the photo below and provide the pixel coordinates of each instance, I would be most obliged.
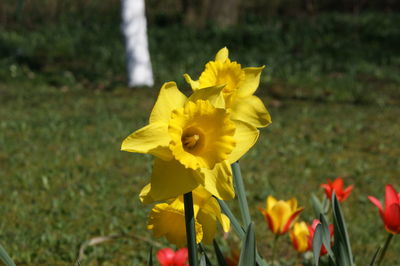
(248, 251)
(331, 57)
(342, 247)
(220, 257)
(5, 258)
(150, 257)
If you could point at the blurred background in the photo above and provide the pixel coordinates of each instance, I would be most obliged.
(331, 83)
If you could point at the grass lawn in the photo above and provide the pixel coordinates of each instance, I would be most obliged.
(63, 179)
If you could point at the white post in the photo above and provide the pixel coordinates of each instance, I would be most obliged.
(137, 52)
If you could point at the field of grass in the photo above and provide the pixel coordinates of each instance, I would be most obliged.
(63, 179)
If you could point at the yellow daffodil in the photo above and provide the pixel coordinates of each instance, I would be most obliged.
(299, 236)
(280, 214)
(169, 219)
(194, 141)
(239, 87)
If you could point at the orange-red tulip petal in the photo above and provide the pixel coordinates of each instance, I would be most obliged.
(167, 257)
(338, 186)
(390, 213)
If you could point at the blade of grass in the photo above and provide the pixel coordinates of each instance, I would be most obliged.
(5, 258)
(376, 256)
(150, 257)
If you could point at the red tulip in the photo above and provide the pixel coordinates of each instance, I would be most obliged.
(338, 186)
(167, 257)
(391, 213)
(311, 236)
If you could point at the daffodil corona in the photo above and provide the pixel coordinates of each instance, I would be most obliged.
(194, 140)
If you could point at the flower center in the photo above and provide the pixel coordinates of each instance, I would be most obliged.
(192, 140)
(189, 142)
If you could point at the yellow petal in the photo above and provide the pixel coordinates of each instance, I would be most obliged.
(168, 99)
(208, 224)
(194, 84)
(251, 110)
(222, 55)
(270, 202)
(212, 94)
(245, 136)
(293, 204)
(251, 81)
(201, 195)
(169, 179)
(280, 214)
(152, 139)
(166, 220)
(218, 181)
(212, 207)
(145, 196)
(299, 235)
(225, 222)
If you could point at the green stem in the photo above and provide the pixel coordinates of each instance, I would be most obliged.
(190, 228)
(241, 193)
(385, 247)
(275, 244)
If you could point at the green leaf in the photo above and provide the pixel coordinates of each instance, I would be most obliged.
(238, 228)
(150, 257)
(235, 223)
(5, 258)
(326, 236)
(317, 205)
(248, 252)
(218, 253)
(203, 261)
(376, 256)
(203, 251)
(342, 247)
(317, 243)
(241, 193)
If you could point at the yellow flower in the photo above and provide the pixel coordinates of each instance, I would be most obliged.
(280, 214)
(194, 141)
(299, 236)
(240, 85)
(169, 219)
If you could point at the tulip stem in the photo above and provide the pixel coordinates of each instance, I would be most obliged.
(382, 255)
(275, 244)
(190, 228)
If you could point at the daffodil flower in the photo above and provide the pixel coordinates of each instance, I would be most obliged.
(239, 87)
(168, 219)
(194, 141)
(280, 214)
